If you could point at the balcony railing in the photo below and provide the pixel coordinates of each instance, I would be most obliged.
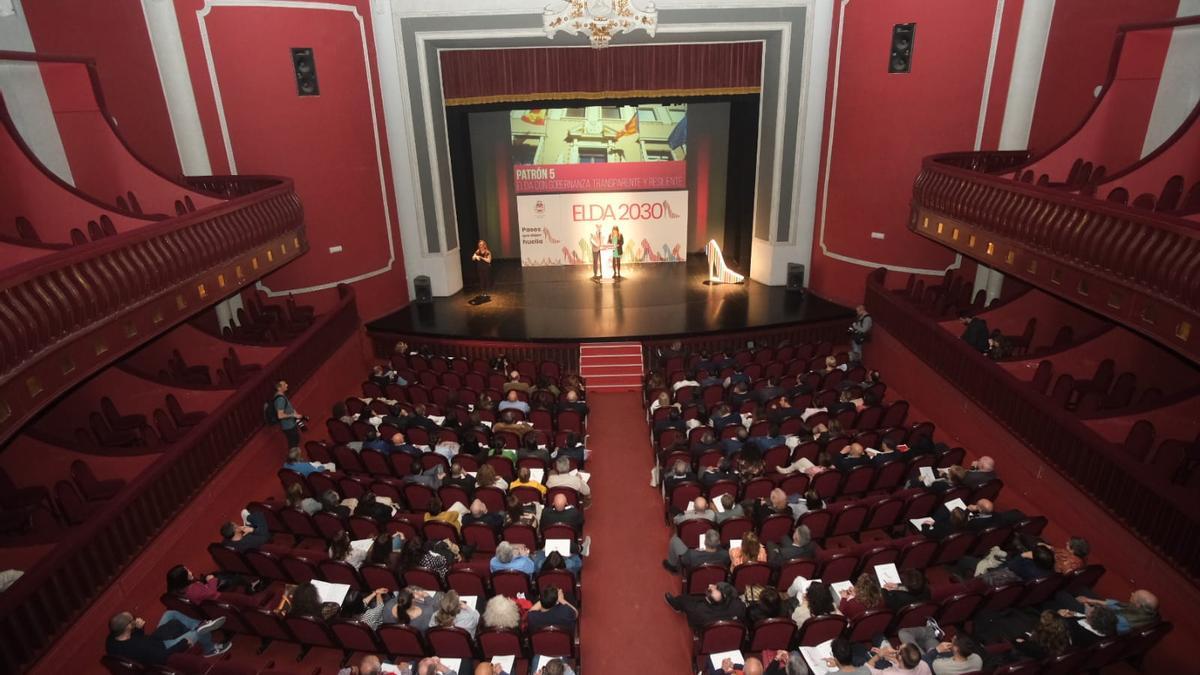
(56, 591)
(1162, 514)
(65, 315)
(1140, 268)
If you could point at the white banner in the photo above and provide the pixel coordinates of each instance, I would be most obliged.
(557, 229)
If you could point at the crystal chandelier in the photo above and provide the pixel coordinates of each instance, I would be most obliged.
(599, 19)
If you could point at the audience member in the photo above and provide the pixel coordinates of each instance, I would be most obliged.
(175, 633)
(552, 610)
(709, 553)
(720, 602)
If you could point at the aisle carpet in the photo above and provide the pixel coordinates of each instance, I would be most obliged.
(625, 620)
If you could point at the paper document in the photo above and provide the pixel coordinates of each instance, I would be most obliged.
(470, 600)
(926, 473)
(718, 505)
(505, 662)
(583, 475)
(362, 544)
(389, 669)
(871, 452)
(921, 522)
(841, 588)
(816, 657)
(735, 656)
(887, 574)
(955, 504)
(536, 475)
(801, 585)
(452, 664)
(563, 546)
(735, 543)
(809, 412)
(335, 593)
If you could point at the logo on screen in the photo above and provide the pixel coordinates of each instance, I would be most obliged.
(667, 207)
(539, 208)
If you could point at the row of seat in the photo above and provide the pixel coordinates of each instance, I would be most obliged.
(744, 357)
(395, 641)
(839, 519)
(887, 420)
(544, 421)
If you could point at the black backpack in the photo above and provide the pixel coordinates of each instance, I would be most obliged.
(270, 418)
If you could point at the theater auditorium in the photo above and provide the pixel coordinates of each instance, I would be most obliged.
(544, 337)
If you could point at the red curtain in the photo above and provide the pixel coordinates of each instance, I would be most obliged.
(474, 76)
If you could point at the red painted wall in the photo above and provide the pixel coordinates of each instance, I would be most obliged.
(329, 143)
(115, 35)
(1078, 52)
(884, 124)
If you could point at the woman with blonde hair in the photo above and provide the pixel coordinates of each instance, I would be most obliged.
(452, 611)
(486, 477)
(865, 595)
(750, 551)
(617, 241)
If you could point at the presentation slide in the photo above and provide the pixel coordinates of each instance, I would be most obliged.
(557, 229)
(605, 166)
(605, 148)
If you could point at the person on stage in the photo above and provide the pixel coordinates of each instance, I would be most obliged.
(617, 241)
(597, 242)
(483, 265)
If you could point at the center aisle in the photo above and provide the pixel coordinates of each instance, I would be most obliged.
(625, 620)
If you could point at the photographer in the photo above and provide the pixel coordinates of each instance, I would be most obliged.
(860, 332)
(290, 421)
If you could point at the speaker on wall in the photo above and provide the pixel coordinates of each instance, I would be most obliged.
(305, 66)
(795, 277)
(903, 35)
(424, 289)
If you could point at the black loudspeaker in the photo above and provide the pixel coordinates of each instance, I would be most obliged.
(305, 66)
(424, 289)
(903, 35)
(795, 277)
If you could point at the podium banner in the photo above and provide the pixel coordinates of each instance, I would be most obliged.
(556, 229)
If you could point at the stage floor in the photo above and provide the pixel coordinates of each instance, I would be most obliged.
(564, 303)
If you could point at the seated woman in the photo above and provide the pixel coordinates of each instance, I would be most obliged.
(341, 548)
(216, 587)
(409, 606)
(439, 556)
(554, 560)
(913, 587)
(504, 612)
(663, 401)
(1048, 639)
(486, 477)
(763, 602)
(387, 550)
(518, 513)
(863, 596)
(296, 500)
(435, 511)
(512, 557)
(749, 551)
(817, 600)
(375, 509)
(452, 611)
(524, 480)
(305, 600)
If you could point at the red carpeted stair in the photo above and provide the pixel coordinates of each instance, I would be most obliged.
(611, 366)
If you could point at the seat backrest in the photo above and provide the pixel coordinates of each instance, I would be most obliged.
(720, 636)
(552, 641)
(820, 629)
(450, 642)
(957, 609)
(915, 614)
(751, 574)
(795, 568)
(355, 636)
(699, 577)
(776, 634)
(869, 624)
(511, 583)
(495, 642)
(401, 640)
(70, 504)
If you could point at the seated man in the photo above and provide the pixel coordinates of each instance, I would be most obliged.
(842, 660)
(681, 472)
(699, 511)
(851, 456)
(975, 331)
(400, 444)
(711, 553)
(562, 477)
(175, 633)
(459, 478)
(1099, 621)
(374, 442)
(572, 402)
(799, 546)
(776, 504)
(960, 655)
(253, 535)
(298, 462)
(552, 610)
(1140, 612)
(981, 471)
(512, 557)
(513, 401)
(370, 665)
(729, 508)
(720, 602)
(479, 514)
(514, 383)
(562, 512)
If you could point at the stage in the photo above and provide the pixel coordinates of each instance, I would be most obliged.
(654, 300)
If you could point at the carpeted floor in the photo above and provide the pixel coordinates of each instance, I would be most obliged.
(625, 620)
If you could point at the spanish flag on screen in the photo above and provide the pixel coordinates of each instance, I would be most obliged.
(535, 116)
(631, 127)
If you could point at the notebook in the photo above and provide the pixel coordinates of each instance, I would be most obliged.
(734, 655)
(841, 588)
(887, 574)
(926, 473)
(955, 504)
(536, 475)
(816, 657)
(362, 544)
(563, 546)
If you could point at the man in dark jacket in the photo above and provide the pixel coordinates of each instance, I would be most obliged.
(711, 553)
(561, 512)
(719, 603)
(253, 535)
(175, 633)
(798, 546)
(975, 332)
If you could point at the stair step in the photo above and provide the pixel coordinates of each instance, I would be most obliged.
(611, 360)
(606, 369)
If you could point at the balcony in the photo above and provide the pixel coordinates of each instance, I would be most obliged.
(95, 269)
(1093, 220)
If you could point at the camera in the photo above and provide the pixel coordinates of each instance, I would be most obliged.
(302, 423)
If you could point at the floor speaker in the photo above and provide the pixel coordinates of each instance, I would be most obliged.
(795, 277)
(424, 289)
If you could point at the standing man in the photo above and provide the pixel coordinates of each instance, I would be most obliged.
(597, 242)
(289, 419)
(860, 332)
